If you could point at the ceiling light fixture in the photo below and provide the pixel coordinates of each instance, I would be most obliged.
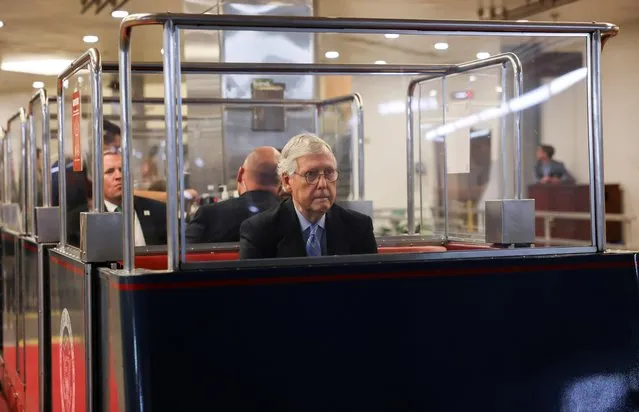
(331, 54)
(380, 61)
(38, 85)
(45, 67)
(1, 23)
(162, 52)
(472, 78)
(522, 21)
(441, 46)
(483, 55)
(498, 89)
(90, 39)
(433, 93)
(391, 35)
(119, 14)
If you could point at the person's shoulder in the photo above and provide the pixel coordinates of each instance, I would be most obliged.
(268, 215)
(149, 203)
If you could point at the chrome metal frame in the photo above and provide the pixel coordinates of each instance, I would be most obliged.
(39, 96)
(595, 143)
(91, 59)
(19, 227)
(172, 22)
(497, 60)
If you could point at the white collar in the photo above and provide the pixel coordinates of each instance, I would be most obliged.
(110, 206)
(304, 222)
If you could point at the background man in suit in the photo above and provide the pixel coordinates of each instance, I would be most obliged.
(150, 215)
(257, 184)
(548, 170)
(308, 223)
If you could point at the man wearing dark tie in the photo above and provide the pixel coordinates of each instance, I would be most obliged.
(309, 223)
(257, 184)
(150, 215)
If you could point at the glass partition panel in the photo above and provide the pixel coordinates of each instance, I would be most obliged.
(16, 175)
(78, 161)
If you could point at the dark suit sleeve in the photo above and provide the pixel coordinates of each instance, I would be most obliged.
(197, 227)
(369, 244)
(250, 247)
(565, 176)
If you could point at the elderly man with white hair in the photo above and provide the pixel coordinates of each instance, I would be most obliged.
(309, 223)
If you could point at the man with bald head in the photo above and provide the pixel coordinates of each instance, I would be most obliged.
(257, 184)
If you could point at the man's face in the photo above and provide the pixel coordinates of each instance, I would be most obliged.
(541, 155)
(113, 178)
(319, 195)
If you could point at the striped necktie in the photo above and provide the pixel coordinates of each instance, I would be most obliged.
(313, 247)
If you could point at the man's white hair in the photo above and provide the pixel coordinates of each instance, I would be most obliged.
(299, 146)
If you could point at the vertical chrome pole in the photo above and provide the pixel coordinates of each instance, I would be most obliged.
(446, 203)
(359, 108)
(171, 152)
(95, 72)
(6, 198)
(419, 156)
(128, 241)
(180, 146)
(31, 175)
(503, 156)
(62, 166)
(23, 183)
(410, 160)
(46, 152)
(519, 156)
(595, 145)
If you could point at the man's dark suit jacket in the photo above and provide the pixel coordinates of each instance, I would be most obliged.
(220, 222)
(152, 217)
(151, 214)
(278, 233)
(557, 169)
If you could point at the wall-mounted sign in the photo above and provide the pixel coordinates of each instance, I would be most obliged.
(463, 95)
(75, 131)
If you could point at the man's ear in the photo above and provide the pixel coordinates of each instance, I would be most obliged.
(286, 183)
(240, 174)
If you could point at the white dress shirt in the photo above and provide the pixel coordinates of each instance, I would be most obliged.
(139, 234)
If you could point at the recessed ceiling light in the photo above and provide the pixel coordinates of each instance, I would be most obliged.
(1, 23)
(498, 89)
(483, 55)
(472, 78)
(90, 39)
(433, 93)
(331, 54)
(391, 35)
(380, 61)
(38, 85)
(119, 14)
(45, 67)
(522, 21)
(161, 51)
(441, 46)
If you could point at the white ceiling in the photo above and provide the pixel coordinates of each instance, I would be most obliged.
(46, 28)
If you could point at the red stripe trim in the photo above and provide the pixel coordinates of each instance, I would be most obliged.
(30, 246)
(69, 266)
(8, 236)
(131, 287)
